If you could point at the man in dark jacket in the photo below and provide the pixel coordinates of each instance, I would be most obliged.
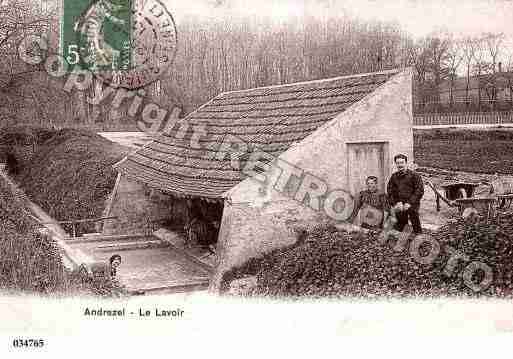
(405, 189)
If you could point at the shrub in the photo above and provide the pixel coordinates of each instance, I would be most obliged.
(28, 261)
(71, 175)
(338, 264)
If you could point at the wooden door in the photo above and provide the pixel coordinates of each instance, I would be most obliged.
(366, 159)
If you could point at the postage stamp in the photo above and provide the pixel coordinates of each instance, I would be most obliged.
(126, 43)
(97, 35)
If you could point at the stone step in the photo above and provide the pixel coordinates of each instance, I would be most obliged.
(125, 246)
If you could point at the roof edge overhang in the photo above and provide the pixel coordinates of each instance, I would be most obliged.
(178, 195)
(384, 72)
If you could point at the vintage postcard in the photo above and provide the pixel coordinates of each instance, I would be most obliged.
(180, 174)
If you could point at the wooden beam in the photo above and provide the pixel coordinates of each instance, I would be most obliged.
(438, 194)
(112, 196)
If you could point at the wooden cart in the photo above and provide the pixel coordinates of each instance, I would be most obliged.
(461, 195)
(453, 191)
(484, 205)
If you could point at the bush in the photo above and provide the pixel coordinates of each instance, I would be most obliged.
(338, 264)
(28, 261)
(71, 175)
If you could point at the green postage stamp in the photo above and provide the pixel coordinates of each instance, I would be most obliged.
(126, 43)
(96, 35)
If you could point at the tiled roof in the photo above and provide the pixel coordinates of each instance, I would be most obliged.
(270, 118)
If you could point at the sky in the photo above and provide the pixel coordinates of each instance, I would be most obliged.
(462, 17)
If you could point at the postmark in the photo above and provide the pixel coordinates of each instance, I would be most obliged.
(127, 44)
(154, 45)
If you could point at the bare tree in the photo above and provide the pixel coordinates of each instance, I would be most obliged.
(479, 68)
(25, 89)
(454, 59)
(469, 48)
(509, 79)
(417, 57)
(493, 44)
(437, 49)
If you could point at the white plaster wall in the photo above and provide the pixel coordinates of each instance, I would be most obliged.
(258, 219)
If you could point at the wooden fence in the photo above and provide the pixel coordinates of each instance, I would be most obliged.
(454, 119)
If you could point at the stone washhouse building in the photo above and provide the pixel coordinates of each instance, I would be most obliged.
(337, 130)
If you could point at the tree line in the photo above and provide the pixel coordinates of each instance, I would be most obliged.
(473, 73)
(217, 54)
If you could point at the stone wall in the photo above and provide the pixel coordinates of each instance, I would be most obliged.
(259, 216)
(140, 209)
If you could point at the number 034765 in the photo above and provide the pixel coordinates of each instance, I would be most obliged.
(28, 343)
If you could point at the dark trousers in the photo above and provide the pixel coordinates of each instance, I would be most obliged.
(402, 220)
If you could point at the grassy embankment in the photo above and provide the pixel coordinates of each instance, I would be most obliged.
(70, 176)
(29, 262)
(480, 151)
